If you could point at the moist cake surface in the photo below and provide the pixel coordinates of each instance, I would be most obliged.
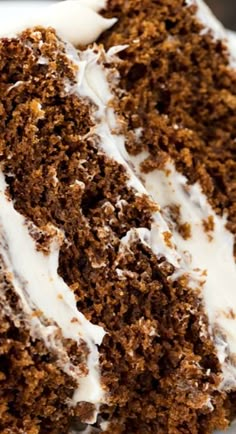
(106, 321)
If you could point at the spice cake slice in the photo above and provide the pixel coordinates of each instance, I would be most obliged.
(105, 325)
(69, 201)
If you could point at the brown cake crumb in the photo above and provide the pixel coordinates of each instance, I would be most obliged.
(209, 224)
(185, 230)
(179, 82)
(160, 369)
(168, 238)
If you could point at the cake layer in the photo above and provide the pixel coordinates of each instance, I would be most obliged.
(90, 193)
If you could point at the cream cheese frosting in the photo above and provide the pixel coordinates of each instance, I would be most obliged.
(77, 21)
(45, 297)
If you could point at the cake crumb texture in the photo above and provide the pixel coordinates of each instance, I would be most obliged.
(159, 368)
(181, 92)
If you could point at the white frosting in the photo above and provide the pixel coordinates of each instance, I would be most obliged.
(77, 21)
(35, 279)
(96, 5)
(93, 84)
(210, 251)
(232, 43)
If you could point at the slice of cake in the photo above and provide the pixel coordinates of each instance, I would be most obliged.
(117, 222)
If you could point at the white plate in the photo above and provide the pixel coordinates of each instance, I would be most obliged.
(12, 10)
